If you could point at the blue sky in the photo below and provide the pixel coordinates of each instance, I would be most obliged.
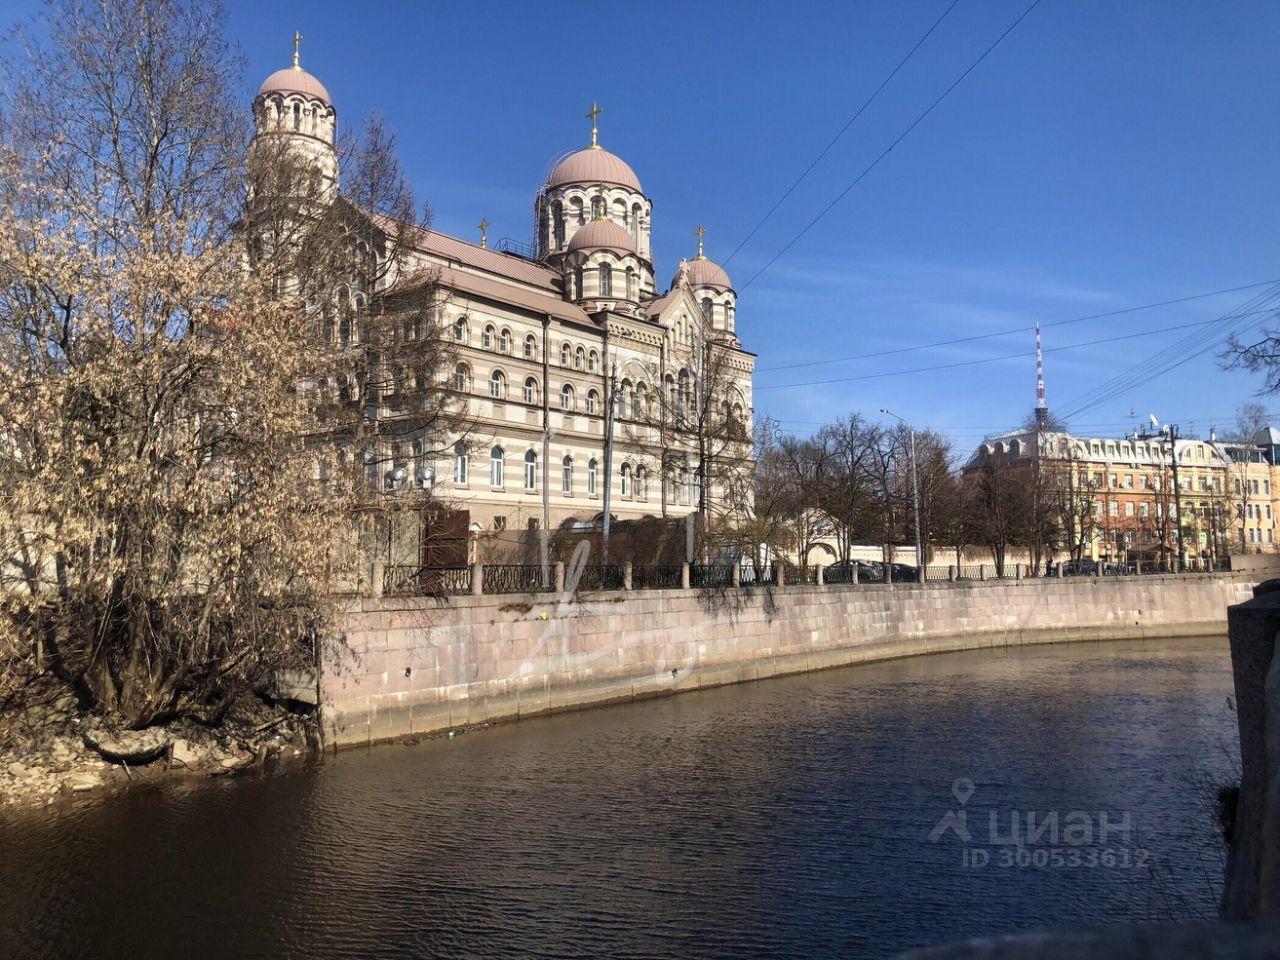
(1105, 155)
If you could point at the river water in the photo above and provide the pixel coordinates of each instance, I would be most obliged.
(787, 818)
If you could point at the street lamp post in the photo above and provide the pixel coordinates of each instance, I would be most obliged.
(915, 493)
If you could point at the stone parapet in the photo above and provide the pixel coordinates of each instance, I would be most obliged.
(418, 665)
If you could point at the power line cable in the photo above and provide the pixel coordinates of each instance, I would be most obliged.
(982, 360)
(843, 130)
(887, 150)
(1006, 333)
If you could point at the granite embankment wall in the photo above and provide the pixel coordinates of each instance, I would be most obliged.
(417, 665)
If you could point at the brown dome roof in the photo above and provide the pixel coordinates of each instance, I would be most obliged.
(602, 234)
(701, 272)
(594, 165)
(295, 80)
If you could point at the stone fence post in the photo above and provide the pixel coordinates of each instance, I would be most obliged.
(1017, 571)
(377, 578)
(853, 573)
(735, 576)
(628, 578)
(951, 573)
(782, 575)
(477, 579)
(684, 576)
(982, 571)
(820, 579)
(1253, 861)
(557, 581)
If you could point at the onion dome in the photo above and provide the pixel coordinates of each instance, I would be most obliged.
(602, 234)
(593, 165)
(295, 80)
(702, 272)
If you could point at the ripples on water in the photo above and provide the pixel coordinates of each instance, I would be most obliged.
(788, 818)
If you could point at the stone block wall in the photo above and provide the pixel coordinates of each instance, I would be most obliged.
(419, 665)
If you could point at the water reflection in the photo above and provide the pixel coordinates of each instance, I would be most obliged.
(787, 818)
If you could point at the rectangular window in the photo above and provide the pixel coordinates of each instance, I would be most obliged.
(1128, 508)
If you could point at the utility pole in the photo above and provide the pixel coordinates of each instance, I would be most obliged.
(611, 395)
(915, 492)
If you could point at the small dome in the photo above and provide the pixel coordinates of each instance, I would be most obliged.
(295, 80)
(593, 165)
(701, 272)
(606, 234)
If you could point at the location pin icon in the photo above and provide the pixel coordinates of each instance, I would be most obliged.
(962, 789)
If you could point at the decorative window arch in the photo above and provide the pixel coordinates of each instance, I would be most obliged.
(593, 361)
(566, 474)
(460, 462)
(566, 356)
(498, 385)
(606, 280)
(530, 470)
(593, 401)
(530, 390)
(579, 359)
(530, 347)
(642, 483)
(497, 466)
(625, 473)
(462, 378)
(460, 330)
(592, 470)
(486, 338)
(504, 340)
(566, 397)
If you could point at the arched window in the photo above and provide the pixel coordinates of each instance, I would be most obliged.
(641, 411)
(593, 361)
(642, 484)
(557, 224)
(504, 341)
(635, 223)
(593, 400)
(462, 378)
(486, 339)
(297, 115)
(460, 331)
(344, 330)
(566, 355)
(626, 479)
(530, 471)
(460, 462)
(606, 280)
(566, 397)
(497, 385)
(728, 315)
(706, 309)
(579, 292)
(597, 207)
(497, 461)
(566, 474)
(530, 390)
(631, 284)
(530, 347)
(579, 358)
(575, 210)
(620, 212)
(591, 477)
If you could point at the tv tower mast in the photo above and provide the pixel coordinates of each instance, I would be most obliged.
(1042, 410)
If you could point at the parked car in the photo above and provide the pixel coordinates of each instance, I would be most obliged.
(1080, 568)
(905, 573)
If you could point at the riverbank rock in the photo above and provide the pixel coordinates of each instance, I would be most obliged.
(188, 754)
(128, 746)
(83, 782)
(297, 687)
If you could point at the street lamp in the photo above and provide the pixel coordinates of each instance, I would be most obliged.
(915, 493)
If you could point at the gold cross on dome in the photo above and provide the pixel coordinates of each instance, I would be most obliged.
(594, 112)
(297, 42)
(701, 232)
(484, 226)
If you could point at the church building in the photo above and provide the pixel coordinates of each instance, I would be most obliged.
(546, 333)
